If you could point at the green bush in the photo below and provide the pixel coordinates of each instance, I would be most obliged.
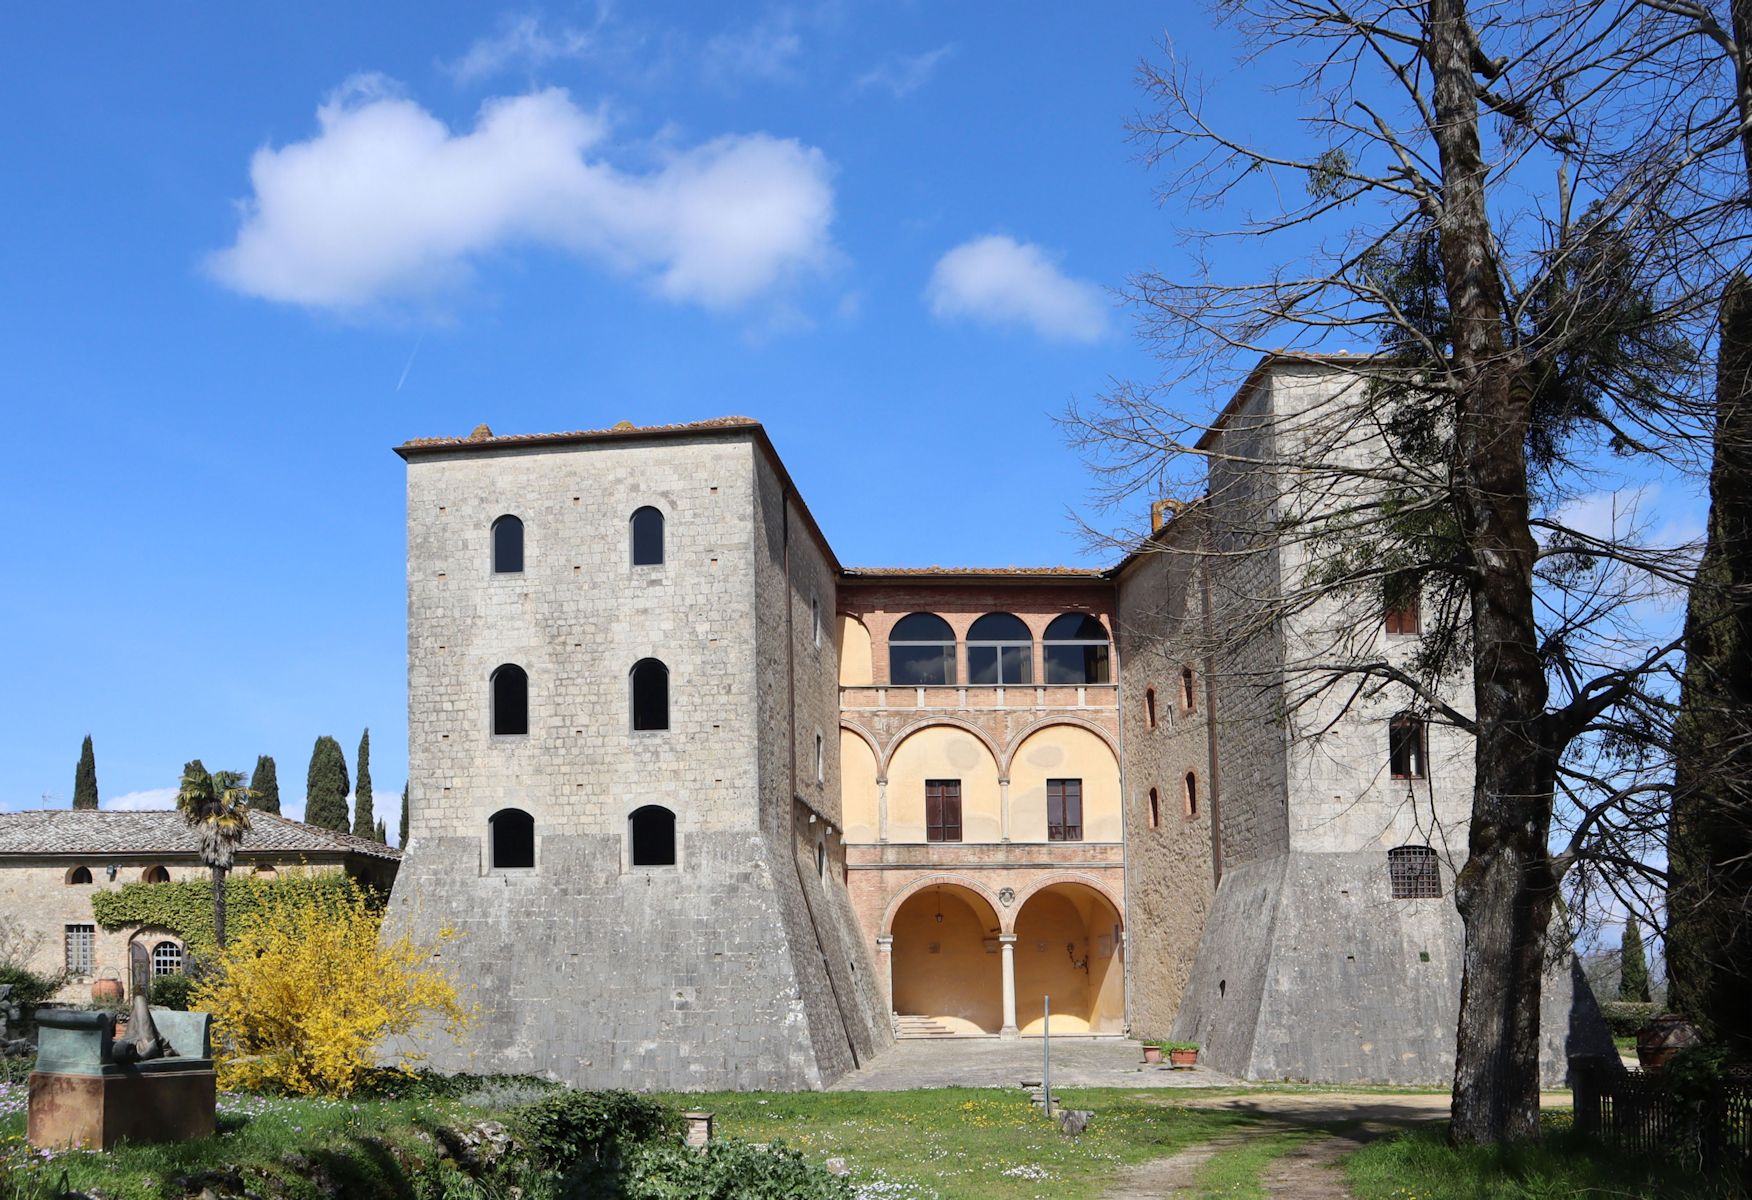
(729, 1170)
(1625, 1017)
(172, 991)
(29, 988)
(573, 1130)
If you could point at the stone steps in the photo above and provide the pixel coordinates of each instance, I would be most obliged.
(920, 1027)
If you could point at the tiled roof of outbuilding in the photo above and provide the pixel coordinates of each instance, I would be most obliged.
(64, 831)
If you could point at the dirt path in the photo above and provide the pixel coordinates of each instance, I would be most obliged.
(1171, 1176)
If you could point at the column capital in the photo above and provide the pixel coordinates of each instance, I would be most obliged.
(884, 941)
(1006, 939)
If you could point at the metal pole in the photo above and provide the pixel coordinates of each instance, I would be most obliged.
(1046, 1052)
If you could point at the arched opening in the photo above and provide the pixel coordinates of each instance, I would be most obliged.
(652, 833)
(511, 840)
(265, 872)
(947, 968)
(507, 545)
(1155, 809)
(820, 760)
(647, 525)
(1188, 690)
(650, 681)
(921, 652)
(859, 793)
(853, 645)
(155, 875)
(1192, 793)
(1000, 651)
(1069, 946)
(510, 700)
(1076, 650)
(939, 762)
(78, 875)
(1149, 708)
(1064, 787)
(167, 959)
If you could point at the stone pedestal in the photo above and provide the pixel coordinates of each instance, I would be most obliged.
(94, 1112)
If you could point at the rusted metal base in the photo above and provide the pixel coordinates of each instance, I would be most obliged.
(94, 1112)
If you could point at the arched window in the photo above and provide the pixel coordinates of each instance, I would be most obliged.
(1000, 650)
(820, 761)
(1192, 793)
(647, 537)
(510, 700)
(1076, 650)
(155, 875)
(507, 546)
(1188, 690)
(1149, 708)
(79, 875)
(1413, 874)
(167, 959)
(1405, 747)
(512, 840)
(650, 695)
(821, 860)
(265, 871)
(653, 836)
(815, 621)
(921, 652)
(1155, 809)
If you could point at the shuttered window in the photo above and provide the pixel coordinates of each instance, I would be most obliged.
(942, 810)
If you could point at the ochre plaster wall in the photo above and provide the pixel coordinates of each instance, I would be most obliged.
(1059, 930)
(949, 970)
(858, 791)
(853, 643)
(1062, 752)
(945, 752)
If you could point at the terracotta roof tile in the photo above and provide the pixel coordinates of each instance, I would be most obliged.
(68, 831)
(483, 437)
(956, 572)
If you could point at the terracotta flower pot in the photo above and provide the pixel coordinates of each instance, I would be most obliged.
(106, 989)
(1183, 1058)
(1152, 1054)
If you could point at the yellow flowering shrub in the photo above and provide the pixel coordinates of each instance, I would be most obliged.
(302, 997)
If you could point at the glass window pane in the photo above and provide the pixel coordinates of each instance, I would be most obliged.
(1018, 664)
(921, 665)
(647, 538)
(922, 627)
(999, 627)
(982, 666)
(507, 545)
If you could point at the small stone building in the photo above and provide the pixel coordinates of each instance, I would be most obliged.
(53, 860)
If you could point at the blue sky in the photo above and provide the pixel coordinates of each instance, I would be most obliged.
(247, 251)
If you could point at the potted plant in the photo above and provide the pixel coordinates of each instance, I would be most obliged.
(1152, 1052)
(1182, 1054)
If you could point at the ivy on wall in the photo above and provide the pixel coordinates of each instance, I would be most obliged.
(185, 907)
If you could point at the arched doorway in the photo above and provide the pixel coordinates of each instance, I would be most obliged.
(946, 964)
(1068, 946)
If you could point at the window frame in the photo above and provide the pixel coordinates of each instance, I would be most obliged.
(662, 558)
(1067, 796)
(1149, 708)
(84, 935)
(493, 698)
(1396, 618)
(943, 793)
(633, 715)
(1414, 873)
(633, 863)
(1049, 643)
(1418, 764)
(947, 647)
(493, 834)
(157, 951)
(998, 645)
(522, 545)
(147, 875)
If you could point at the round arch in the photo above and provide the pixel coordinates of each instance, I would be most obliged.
(946, 969)
(1076, 753)
(1070, 946)
(883, 760)
(860, 784)
(948, 879)
(1093, 883)
(1007, 758)
(961, 760)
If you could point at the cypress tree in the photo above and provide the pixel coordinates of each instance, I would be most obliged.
(363, 818)
(402, 840)
(85, 778)
(380, 835)
(1633, 966)
(326, 787)
(265, 783)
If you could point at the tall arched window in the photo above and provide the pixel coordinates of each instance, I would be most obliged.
(511, 839)
(1076, 650)
(652, 830)
(167, 959)
(1188, 690)
(507, 545)
(650, 682)
(1192, 794)
(1149, 708)
(647, 537)
(921, 652)
(510, 700)
(1000, 650)
(1155, 809)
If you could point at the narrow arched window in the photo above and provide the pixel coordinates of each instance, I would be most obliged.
(647, 537)
(820, 761)
(1076, 650)
(1000, 651)
(1155, 809)
(507, 545)
(921, 652)
(511, 840)
(79, 875)
(652, 831)
(821, 860)
(167, 959)
(1191, 794)
(1188, 690)
(1413, 874)
(1149, 708)
(155, 875)
(650, 683)
(510, 700)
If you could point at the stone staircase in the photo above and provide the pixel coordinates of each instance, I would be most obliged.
(920, 1027)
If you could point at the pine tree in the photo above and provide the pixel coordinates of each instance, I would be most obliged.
(380, 835)
(85, 778)
(363, 818)
(326, 787)
(1633, 966)
(402, 840)
(265, 783)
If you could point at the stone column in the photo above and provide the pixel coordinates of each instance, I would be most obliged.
(885, 955)
(1004, 808)
(882, 809)
(1007, 948)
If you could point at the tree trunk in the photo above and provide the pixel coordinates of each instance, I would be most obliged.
(219, 907)
(1505, 891)
(1709, 904)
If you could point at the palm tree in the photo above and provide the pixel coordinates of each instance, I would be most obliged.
(217, 805)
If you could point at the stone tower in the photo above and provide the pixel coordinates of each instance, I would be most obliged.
(620, 685)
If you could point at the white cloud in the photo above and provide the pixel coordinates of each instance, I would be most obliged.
(764, 51)
(1000, 281)
(905, 74)
(143, 801)
(386, 203)
(520, 42)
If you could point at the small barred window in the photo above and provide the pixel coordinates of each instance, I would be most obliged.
(1414, 873)
(81, 941)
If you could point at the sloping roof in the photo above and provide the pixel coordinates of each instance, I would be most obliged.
(485, 439)
(64, 831)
